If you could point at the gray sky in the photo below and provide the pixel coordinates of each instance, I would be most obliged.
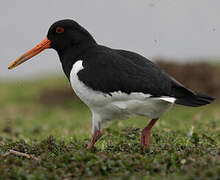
(167, 28)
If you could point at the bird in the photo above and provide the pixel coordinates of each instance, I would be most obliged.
(113, 83)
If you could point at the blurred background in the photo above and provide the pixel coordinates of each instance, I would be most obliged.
(183, 37)
(177, 31)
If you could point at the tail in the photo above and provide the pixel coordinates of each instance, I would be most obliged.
(187, 97)
(197, 100)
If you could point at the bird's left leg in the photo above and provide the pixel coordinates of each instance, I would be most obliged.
(95, 138)
(96, 130)
(145, 135)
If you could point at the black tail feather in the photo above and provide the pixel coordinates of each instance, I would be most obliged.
(187, 97)
(197, 99)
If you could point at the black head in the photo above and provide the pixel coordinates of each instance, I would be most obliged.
(65, 36)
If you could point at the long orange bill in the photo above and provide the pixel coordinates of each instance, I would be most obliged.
(36, 50)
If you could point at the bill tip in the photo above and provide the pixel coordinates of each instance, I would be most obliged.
(10, 67)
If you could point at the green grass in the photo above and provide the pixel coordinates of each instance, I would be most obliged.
(58, 134)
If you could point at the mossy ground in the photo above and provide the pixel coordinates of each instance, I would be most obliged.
(57, 134)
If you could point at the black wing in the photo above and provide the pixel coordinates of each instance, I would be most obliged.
(183, 95)
(110, 70)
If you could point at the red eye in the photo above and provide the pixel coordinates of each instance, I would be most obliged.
(59, 30)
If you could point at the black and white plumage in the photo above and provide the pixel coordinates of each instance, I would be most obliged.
(114, 83)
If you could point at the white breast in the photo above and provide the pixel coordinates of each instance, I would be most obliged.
(86, 94)
(119, 105)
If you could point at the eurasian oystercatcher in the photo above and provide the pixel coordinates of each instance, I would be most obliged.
(113, 83)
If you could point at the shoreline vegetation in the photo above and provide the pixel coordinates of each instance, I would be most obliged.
(44, 130)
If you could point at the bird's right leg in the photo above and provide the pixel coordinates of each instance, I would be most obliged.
(145, 135)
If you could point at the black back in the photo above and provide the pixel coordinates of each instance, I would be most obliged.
(110, 70)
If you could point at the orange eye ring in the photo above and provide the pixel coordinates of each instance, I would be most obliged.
(59, 30)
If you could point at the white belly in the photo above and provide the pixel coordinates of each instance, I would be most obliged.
(119, 105)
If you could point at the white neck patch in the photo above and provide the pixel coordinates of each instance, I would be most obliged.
(77, 66)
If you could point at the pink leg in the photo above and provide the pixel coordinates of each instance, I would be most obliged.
(95, 137)
(145, 135)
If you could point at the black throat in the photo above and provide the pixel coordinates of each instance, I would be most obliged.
(72, 54)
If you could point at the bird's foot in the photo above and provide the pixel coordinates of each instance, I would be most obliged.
(145, 138)
(145, 135)
(95, 137)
